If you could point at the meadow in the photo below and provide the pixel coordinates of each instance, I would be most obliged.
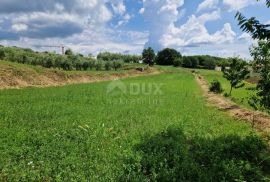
(239, 96)
(83, 133)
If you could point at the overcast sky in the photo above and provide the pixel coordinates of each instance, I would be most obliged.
(127, 26)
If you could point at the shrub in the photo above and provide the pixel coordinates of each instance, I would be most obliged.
(216, 87)
(117, 65)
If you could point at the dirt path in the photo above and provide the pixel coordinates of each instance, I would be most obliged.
(259, 120)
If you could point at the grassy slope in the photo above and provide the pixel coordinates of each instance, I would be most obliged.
(78, 132)
(238, 95)
(14, 75)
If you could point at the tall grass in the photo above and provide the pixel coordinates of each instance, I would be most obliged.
(80, 133)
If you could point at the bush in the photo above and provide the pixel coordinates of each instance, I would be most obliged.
(117, 65)
(216, 87)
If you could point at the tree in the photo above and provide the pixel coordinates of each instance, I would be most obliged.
(148, 56)
(69, 52)
(2, 54)
(253, 26)
(261, 55)
(187, 62)
(167, 56)
(237, 72)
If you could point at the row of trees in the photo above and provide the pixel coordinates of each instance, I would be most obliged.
(169, 56)
(69, 61)
(107, 56)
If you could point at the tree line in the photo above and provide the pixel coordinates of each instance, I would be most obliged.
(69, 61)
(170, 56)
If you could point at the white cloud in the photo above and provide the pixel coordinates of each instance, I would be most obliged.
(141, 11)
(207, 4)
(165, 13)
(234, 5)
(19, 27)
(119, 8)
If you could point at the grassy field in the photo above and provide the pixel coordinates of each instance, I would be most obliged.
(83, 133)
(240, 96)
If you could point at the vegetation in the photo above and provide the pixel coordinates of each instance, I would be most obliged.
(239, 96)
(260, 54)
(107, 56)
(167, 56)
(148, 56)
(95, 136)
(252, 25)
(173, 57)
(215, 86)
(69, 61)
(237, 72)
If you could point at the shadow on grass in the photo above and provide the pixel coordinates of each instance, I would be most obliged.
(171, 156)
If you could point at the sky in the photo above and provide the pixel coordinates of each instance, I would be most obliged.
(193, 27)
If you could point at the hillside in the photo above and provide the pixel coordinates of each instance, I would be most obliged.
(15, 75)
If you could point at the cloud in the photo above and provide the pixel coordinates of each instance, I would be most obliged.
(119, 8)
(47, 19)
(194, 33)
(165, 13)
(234, 5)
(207, 4)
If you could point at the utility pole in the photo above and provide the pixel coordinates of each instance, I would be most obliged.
(62, 47)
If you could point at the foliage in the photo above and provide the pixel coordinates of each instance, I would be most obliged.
(177, 62)
(172, 156)
(148, 56)
(167, 56)
(107, 56)
(117, 64)
(215, 86)
(108, 66)
(253, 26)
(261, 55)
(204, 61)
(69, 61)
(237, 72)
(240, 96)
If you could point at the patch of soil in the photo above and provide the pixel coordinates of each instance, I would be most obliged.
(259, 120)
(11, 77)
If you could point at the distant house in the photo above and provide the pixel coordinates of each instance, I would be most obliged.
(219, 68)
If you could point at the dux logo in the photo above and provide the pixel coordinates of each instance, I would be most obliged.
(118, 86)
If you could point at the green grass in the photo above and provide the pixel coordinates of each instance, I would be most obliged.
(81, 133)
(240, 96)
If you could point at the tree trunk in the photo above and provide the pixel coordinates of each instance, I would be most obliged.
(230, 91)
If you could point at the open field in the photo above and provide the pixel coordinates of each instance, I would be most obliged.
(82, 132)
